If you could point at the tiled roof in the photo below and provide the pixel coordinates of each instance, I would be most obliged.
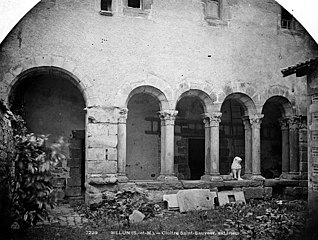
(301, 68)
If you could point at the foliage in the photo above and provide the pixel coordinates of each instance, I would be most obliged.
(29, 186)
(266, 219)
(120, 206)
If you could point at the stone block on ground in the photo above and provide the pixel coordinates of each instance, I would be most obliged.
(195, 199)
(226, 197)
(253, 192)
(136, 216)
(172, 201)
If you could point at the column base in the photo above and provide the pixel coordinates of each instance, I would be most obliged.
(291, 176)
(167, 178)
(212, 178)
(247, 176)
(122, 178)
(257, 177)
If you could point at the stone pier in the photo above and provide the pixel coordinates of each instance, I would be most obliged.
(121, 145)
(212, 123)
(255, 121)
(167, 145)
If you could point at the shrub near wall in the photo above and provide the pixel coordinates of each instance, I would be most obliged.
(6, 154)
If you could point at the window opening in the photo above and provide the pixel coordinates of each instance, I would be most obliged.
(134, 3)
(287, 20)
(106, 5)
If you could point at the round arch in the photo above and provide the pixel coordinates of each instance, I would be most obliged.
(283, 104)
(274, 143)
(154, 92)
(52, 102)
(246, 102)
(204, 98)
(36, 71)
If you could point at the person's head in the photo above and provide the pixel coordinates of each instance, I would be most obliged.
(238, 159)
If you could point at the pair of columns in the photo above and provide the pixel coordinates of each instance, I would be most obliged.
(290, 146)
(167, 145)
(252, 128)
(212, 123)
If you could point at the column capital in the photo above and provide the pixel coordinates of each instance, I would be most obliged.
(123, 113)
(294, 123)
(256, 120)
(246, 122)
(212, 119)
(284, 123)
(167, 117)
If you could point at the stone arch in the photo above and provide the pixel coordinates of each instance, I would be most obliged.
(43, 63)
(52, 101)
(204, 98)
(274, 141)
(248, 89)
(43, 70)
(284, 105)
(246, 102)
(204, 90)
(147, 83)
(278, 90)
(153, 91)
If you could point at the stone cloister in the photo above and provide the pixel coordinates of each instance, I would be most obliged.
(211, 118)
(165, 95)
(106, 139)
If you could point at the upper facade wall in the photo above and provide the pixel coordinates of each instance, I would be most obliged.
(171, 42)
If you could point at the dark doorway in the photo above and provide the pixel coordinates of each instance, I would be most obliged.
(196, 158)
(271, 138)
(232, 135)
(189, 139)
(75, 184)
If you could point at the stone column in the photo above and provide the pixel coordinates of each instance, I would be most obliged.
(285, 147)
(294, 123)
(255, 121)
(212, 149)
(248, 146)
(303, 146)
(121, 145)
(167, 145)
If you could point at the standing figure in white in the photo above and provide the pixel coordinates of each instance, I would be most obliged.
(236, 168)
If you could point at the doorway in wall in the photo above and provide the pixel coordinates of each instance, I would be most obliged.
(189, 139)
(75, 184)
(196, 158)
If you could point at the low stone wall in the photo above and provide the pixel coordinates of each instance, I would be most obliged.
(252, 189)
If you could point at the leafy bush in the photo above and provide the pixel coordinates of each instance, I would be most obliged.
(265, 219)
(29, 187)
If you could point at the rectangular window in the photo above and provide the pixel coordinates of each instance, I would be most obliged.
(287, 20)
(106, 5)
(212, 9)
(134, 3)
